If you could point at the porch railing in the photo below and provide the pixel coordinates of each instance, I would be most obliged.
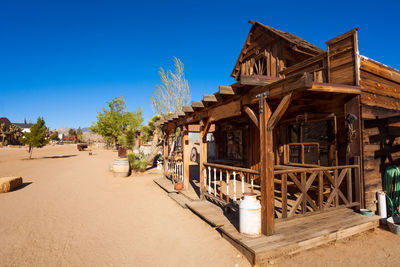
(227, 183)
(174, 169)
(307, 190)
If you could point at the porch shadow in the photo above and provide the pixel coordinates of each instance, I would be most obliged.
(194, 178)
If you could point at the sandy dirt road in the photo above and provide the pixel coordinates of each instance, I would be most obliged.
(73, 212)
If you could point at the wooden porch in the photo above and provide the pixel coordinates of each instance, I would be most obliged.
(292, 235)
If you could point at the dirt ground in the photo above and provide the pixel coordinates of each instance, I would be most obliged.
(71, 211)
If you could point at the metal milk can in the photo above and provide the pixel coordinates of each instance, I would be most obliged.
(250, 215)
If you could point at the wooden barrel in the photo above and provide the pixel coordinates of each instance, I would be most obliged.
(121, 167)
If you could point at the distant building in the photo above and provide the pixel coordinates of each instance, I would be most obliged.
(26, 127)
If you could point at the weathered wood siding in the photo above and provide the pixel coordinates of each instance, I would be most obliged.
(380, 107)
(342, 59)
(266, 55)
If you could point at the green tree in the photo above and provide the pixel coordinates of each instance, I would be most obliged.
(113, 122)
(148, 131)
(152, 131)
(79, 134)
(36, 137)
(71, 132)
(54, 136)
(173, 92)
(128, 139)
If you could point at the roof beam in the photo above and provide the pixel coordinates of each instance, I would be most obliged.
(197, 104)
(226, 90)
(285, 86)
(279, 112)
(180, 113)
(257, 80)
(252, 116)
(334, 88)
(187, 109)
(209, 99)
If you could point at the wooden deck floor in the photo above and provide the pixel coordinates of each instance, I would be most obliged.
(291, 236)
(168, 186)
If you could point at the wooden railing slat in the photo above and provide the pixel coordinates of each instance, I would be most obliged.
(336, 187)
(321, 190)
(284, 195)
(349, 186)
(305, 178)
(231, 168)
(311, 169)
(304, 192)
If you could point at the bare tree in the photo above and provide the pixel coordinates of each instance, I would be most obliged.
(173, 92)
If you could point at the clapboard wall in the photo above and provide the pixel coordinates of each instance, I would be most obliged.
(380, 108)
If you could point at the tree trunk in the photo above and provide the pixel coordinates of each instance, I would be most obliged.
(30, 152)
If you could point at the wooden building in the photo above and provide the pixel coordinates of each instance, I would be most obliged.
(309, 130)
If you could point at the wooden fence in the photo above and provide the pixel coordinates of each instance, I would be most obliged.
(307, 190)
(173, 169)
(221, 182)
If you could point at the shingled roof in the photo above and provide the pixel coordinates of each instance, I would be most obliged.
(301, 43)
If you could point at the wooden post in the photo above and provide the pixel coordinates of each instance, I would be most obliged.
(165, 152)
(186, 156)
(267, 170)
(304, 192)
(203, 155)
(321, 190)
(357, 183)
(284, 195)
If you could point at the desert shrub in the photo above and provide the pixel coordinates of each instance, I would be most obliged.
(137, 161)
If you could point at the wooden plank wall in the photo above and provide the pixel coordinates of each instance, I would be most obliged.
(380, 107)
(316, 65)
(342, 59)
(271, 66)
(262, 45)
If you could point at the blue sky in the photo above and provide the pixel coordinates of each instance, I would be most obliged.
(64, 60)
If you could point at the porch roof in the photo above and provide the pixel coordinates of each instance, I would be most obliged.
(246, 93)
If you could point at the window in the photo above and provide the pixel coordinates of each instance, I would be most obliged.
(260, 66)
(313, 143)
(234, 145)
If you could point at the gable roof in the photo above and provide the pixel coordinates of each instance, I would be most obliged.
(23, 125)
(300, 44)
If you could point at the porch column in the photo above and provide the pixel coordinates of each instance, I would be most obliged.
(186, 156)
(203, 155)
(165, 152)
(267, 169)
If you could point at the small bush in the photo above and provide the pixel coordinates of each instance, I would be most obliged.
(138, 161)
